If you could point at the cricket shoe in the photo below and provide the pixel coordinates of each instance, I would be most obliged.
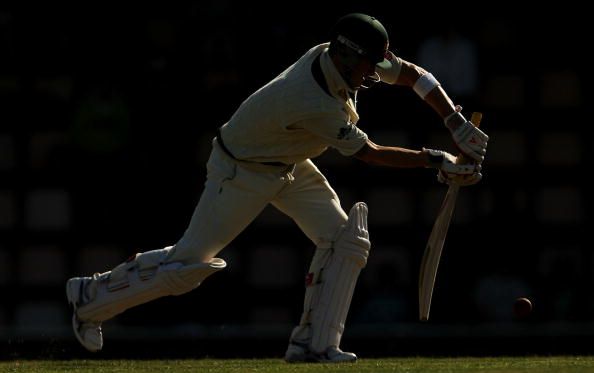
(297, 353)
(88, 333)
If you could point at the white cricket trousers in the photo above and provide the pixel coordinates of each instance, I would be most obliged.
(235, 193)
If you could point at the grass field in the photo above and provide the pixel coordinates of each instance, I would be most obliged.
(557, 364)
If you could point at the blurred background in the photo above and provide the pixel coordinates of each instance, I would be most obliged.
(106, 117)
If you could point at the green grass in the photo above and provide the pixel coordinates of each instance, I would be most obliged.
(558, 364)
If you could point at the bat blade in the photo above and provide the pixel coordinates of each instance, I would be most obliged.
(432, 254)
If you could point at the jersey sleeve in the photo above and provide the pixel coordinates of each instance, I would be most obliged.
(342, 135)
(390, 75)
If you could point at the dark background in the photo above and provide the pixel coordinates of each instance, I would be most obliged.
(106, 117)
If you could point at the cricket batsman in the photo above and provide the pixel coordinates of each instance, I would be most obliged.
(263, 155)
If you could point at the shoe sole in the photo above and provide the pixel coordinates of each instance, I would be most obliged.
(302, 356)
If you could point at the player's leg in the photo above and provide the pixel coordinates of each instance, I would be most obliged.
(142, 278)
(232, 198)
(331, 282)
(342, 249)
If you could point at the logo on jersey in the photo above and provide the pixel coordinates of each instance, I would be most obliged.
(344, 132)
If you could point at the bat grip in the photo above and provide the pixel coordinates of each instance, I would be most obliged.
(476, 118)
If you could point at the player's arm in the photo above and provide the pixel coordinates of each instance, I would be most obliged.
(392, 156)
(445, 163)
(406, 73)
(397, 157)
(435, 96)
(469, 139)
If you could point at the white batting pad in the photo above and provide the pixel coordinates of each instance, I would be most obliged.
(331, 283)
(139, 280)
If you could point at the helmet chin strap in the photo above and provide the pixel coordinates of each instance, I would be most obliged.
(370, 81)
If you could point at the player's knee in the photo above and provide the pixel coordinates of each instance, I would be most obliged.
(353, 238)
(177, 279)
(189, 253)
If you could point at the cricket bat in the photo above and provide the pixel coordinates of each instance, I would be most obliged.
(432, 253)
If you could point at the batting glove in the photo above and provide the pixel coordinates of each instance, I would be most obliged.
(469, 139)
(446, 162)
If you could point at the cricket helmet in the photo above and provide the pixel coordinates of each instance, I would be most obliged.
(365, 35)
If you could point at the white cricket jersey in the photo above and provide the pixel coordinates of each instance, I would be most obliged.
(292, 118)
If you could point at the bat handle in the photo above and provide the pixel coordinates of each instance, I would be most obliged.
(476, 118)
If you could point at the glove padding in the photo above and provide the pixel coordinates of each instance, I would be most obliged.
(468, 138)
(446, 162)
(452, 173)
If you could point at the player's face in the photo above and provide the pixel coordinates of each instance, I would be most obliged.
(362, 70)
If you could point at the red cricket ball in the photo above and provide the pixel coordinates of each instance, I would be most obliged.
(522, 307)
